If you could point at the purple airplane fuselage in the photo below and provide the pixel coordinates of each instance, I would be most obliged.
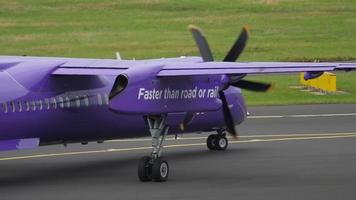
(63, 109)
(63, 100)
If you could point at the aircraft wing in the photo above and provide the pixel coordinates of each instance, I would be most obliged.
(114, 67)
(183, 66)
(230, 68)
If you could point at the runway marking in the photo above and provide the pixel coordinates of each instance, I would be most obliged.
(242, 136)
(326, 115)
(265, 117)
(177, 146)
(301, 116)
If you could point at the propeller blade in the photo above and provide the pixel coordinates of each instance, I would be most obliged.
(229, 121)
(187, 119)
(202, 44)
(238, 46)
(252, 85)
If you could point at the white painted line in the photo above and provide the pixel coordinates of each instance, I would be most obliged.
(301, 116)
(242, 136)
(255, 140)
(326, 115)
(265, 117)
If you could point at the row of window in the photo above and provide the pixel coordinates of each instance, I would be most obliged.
(56, 102)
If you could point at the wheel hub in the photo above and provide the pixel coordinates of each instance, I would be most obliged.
(164, 169)
(222, 142)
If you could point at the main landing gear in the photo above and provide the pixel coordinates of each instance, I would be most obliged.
(217, 141)
(154, 167)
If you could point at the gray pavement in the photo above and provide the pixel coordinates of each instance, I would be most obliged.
(291, 152)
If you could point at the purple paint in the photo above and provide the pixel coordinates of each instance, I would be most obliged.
(28, 143)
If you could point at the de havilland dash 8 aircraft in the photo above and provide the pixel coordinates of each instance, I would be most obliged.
(52, 100)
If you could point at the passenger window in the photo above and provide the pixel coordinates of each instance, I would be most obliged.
(4, 106)
(106, 99)
(20, 106)
(100, 100)
(67, 102)
(33, 103)
(27, 106)
(77, 101)
(60, 102)
(40, 105)
(12, 104)
(47, 103)
(86, 100)
(54, 103)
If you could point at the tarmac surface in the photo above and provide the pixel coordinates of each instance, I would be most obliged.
(284, 152)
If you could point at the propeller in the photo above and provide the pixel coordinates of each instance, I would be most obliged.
(202, 44)
(229, 120)
(187, 119)
(233, 54)
(252, 85)
(238, 46)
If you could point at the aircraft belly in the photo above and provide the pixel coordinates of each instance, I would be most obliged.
(87, 124)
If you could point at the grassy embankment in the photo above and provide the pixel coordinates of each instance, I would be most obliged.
(281, 30)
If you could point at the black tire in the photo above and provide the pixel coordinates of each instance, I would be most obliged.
(221, 143)
(210, 142)
(160, 170)
(144, 169)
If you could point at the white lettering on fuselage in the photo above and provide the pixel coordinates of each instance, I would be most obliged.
(149, 94)
(173, 94)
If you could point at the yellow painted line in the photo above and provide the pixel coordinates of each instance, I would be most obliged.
(175, 146)
(73, 153)
(242, 136)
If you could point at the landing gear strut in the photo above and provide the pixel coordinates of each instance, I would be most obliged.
(217, 141)
(154, 167)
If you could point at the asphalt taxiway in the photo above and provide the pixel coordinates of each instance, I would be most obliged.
(284, 152)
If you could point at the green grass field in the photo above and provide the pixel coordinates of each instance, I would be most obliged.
(281, 30)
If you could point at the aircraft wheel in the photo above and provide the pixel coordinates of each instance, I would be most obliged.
(144, 169)
(160, 170)
(210, 142)
(221, 143)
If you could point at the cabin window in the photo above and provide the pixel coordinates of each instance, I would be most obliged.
(33, 104)
(86, 100)
(54, 103)
(27, 106)
(20, 106)
(4, 106)
(47, 103)
(77, 101)
(106, 99)
(100, 100)
(67, 102)
(12, 104)
(40, 105)
(60, 102)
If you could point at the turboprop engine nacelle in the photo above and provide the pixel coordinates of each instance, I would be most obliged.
(139, 91)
